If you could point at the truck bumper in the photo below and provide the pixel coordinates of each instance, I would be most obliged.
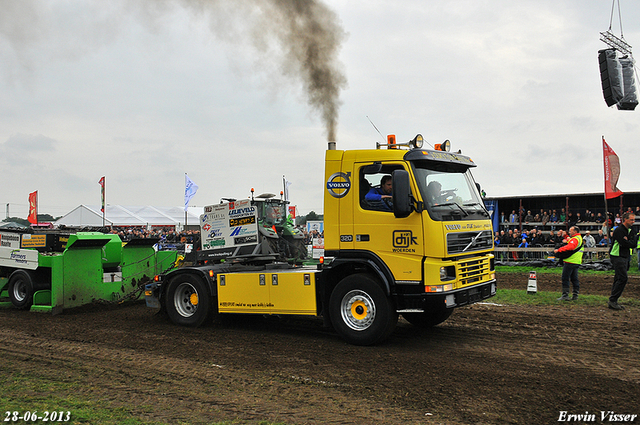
(409, 303)
(471, 295)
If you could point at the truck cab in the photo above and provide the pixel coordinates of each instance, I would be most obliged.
(429, 247)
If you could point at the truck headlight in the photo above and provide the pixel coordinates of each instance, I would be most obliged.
(447, 273)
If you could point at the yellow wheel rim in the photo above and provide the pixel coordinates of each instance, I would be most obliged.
(359, 310)
(194, 299)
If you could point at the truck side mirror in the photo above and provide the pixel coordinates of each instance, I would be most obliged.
(402, 202)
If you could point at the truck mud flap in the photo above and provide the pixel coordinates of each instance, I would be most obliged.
(151, 295)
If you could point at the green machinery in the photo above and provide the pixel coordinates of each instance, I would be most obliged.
(53, 272)
(272, 213)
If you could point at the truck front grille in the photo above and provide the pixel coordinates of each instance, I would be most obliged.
(472, 271)
(459, 243)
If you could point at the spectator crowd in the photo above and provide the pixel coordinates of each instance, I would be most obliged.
(170, 236)
(559, 218)
(166, 235)
(548, 228)
(538, 238)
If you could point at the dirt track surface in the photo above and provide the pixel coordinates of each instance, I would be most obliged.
(487, 364)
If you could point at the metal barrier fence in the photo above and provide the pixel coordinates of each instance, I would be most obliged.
(510, 253)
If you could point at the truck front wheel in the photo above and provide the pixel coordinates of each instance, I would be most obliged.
(360, 310)
(188, 301)
(21, 289)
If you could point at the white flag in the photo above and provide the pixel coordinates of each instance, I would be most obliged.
(286, 188)
(190, 189)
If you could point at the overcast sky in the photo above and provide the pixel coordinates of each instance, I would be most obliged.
(144, 92)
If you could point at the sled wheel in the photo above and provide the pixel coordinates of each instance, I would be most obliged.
(21, 289)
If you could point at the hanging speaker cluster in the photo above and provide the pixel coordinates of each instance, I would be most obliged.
(618, 79)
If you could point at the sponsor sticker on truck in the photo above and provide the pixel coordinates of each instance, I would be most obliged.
(229, 225)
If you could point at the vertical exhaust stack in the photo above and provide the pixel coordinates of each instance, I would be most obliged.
(332, 145)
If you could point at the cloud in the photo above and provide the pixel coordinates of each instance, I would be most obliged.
(22, 147)
(144, 91)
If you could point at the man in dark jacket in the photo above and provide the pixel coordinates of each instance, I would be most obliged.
(380, 198)
(622, 242)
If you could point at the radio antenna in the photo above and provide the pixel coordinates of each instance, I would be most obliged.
(374, 126)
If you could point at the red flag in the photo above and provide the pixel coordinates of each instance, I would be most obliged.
(292, 212)
(33, 208)
(611, 171)
(101, 183)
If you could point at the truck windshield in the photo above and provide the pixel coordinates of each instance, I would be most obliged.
(449, 191)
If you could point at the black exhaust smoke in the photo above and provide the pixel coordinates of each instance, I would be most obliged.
(300, 39)
(308, 36)
(312, 35)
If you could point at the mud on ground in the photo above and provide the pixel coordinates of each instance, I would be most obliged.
(487, 364)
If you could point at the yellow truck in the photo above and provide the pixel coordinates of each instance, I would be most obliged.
(419, 248)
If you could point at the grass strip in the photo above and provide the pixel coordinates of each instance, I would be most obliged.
(545, 298)
(633, 271)
(28, 391)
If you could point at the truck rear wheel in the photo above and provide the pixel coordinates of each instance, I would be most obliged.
(188, 301)
(21, 289)
(429, 318)
(360, 310)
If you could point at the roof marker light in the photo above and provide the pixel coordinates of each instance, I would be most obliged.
(444, 146)
(417, 142)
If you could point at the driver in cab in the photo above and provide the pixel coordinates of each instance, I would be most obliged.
(381, 198)
(271, 216)
(434, 193)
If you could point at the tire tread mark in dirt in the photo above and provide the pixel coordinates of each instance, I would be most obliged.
(116, 369)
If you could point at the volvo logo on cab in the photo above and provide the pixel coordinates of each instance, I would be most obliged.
(339, 184)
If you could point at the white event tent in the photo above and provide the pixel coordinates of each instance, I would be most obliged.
(138, 216)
